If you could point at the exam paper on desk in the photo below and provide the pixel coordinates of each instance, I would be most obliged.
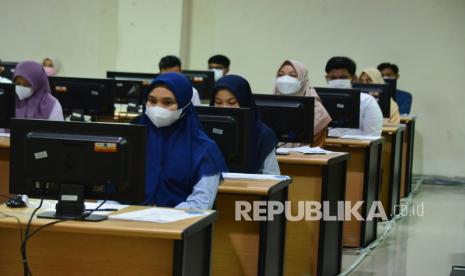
(160, 215)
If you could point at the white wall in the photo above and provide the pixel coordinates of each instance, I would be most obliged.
(424, 37)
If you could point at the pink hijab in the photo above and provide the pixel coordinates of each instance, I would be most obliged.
(41, 103)
(322, 118)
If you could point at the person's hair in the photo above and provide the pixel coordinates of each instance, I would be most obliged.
(341, 63)
(220, 59)
(169, 62)
(387, 65)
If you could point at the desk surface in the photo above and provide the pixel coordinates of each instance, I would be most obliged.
(4, 142)
(176, 230)
(251, 187)
(352, 142)
(407, 119)
(392, 128)
(312, 159)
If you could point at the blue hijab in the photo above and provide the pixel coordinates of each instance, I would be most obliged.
(264, 141)
(179, 155)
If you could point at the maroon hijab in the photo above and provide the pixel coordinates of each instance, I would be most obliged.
(41, 103)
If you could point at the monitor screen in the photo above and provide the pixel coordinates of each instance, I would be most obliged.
(92, 96)
(203, 81)
(96, 160)
(381, 92)
(8, 69)
(230, 129)
(7, 104)
(343, 105)
(393, 83)
(145, 78)
(290, 117)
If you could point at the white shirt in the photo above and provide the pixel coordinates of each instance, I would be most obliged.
(371, 119)
(270, 164)
(195, 97)
(4, 80)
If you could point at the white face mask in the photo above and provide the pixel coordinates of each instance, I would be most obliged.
(340, 83)
(218, 73)
(162, 117)
(288, 85)
(23, 92)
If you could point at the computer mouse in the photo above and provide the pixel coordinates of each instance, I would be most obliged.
(17, 201)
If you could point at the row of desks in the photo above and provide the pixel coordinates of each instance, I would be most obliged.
(274, 247)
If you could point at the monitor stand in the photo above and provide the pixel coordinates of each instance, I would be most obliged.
(71, 206)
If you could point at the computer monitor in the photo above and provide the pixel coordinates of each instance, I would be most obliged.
(230, 129)
(7, 104)
(9, 69)
(70, 161)
(130, 93)
(343, 105)
(85, 96)
(290, 117)
(393, 83)
(203, 81)
(381, 92)
(145, 78)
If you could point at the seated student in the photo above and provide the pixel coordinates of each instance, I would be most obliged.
(292, 79)
(372, 75)
(49, 67)
(234, 91)
(220, 65)
(2, 79)
(34, 99)
(340, 73)
(183, 166)
(403, 98)
(173, 64)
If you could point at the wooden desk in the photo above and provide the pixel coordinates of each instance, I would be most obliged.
(314, 247)
(363, 182)
(248, 247)
(392, 160)
(409, 139)
(4, 165)
(109, 247)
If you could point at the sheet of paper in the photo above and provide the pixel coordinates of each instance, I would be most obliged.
(254, 176)
(113, 206)
(360, 137)
(304, 150)
(160, 215)
(3, 134)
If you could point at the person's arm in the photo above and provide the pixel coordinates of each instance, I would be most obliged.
(372, 120)
(320, 138)
(395, 115)
(203, 194)
(57, 113)
(270, 164)
(195, 97)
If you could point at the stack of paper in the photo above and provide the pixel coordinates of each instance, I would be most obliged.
(360, 137)
(304, 150)
(160, 215)
(254, 176)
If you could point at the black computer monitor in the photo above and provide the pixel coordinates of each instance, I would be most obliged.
(7, 104)
(290, 117)
(9, 69)
(381, 92)
(393, 83)
(70, 161)
(145, 78)
(343, 105)
(230, 129)
(203, 81)
(130, 93)
(88, 96)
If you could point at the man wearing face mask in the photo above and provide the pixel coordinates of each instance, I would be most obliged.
(340, 73)
(403, 98)
(173, 64)
(34, 99)
(219, 64)
(292, 79)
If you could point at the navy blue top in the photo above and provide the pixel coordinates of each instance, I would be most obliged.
(404, 101)
(179, 155)
(264, 140)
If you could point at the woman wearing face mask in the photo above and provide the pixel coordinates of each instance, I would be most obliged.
(34, 99)
(49, 67)
(183, 166)
(234, 91)
(292, 79)
(373, 75)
